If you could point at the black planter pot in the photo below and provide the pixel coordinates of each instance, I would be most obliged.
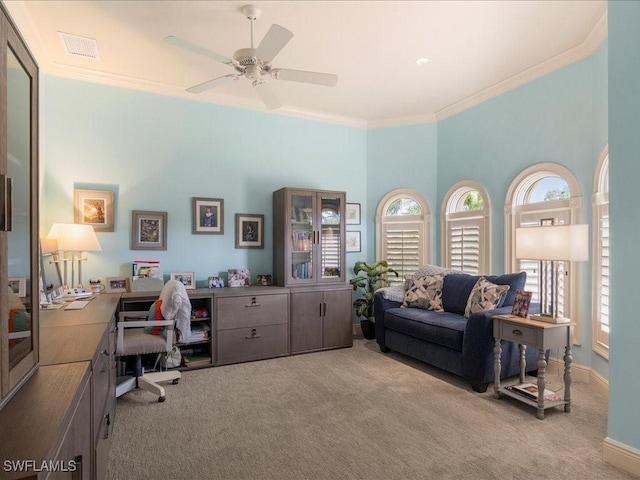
(368, 329)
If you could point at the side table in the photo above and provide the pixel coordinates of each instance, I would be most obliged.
(542, 336)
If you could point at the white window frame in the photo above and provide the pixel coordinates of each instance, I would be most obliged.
(516, 203)
(421, 222)
(600, 211)
(453, 216)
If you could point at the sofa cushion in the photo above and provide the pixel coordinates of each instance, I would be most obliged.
(442, 328)
(426, 293)
(457, 288)
(485, 295)
(514, 280)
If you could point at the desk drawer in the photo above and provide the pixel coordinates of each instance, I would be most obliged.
(251, 311)
(518, 333)
(252, 343)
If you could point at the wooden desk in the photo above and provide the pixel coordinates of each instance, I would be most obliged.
(543, 336)
(65, 412)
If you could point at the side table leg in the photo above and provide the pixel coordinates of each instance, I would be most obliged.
(568, 359)
(523, 361)
(496, 368)
(542, 375)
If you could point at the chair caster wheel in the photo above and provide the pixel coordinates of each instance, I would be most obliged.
(175, 381)
(161, 399)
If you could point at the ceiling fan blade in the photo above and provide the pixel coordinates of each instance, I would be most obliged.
(213, 83)
(327, 79)
(267, 94)
(178, 42)
(274, 41)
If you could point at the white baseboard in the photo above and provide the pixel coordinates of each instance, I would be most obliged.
(581, 373)
(621, 456)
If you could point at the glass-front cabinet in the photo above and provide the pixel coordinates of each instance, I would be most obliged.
(309, 246)
(19, 297)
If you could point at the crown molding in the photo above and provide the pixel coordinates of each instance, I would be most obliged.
(595, 38)
(20, 15)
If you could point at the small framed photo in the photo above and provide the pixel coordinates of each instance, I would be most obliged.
(117, 284)
(95, 208)
(18, 285)
(148, 230)
(352, 241)
(249, 230)
(188, 279)
(352, 214)
(216, 282)
(239, 277)
(208, 216)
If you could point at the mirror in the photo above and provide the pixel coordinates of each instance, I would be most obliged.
(19, 266)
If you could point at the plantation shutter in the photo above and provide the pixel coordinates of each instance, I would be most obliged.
(464, 245)
(603, 266)
(402, 248)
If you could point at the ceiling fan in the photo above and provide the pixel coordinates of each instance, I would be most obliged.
(255, 63)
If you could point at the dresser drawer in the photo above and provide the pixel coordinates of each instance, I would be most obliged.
(251, 311)
(252, 343)
(518, 333)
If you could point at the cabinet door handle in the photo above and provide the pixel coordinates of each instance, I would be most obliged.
(254, 334)
(324, 310)
(6, 196)
(254, 303)
(77, 473)
(517, 332)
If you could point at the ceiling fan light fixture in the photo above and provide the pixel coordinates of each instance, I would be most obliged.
(422, 61)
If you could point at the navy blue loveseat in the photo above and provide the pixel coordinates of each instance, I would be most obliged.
(449, 340)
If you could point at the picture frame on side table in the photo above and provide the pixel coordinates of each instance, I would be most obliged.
(18, 285)
(207, 216)
(148, 230)
(352, 241)
(352, 214)
(117, 284)
(95, 208)
(188, 279)
(249, 230)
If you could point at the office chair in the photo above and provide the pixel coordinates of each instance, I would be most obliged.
(146, 334)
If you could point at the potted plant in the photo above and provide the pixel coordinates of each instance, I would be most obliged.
(369, 277)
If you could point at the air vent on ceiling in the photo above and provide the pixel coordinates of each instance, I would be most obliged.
(81, 46)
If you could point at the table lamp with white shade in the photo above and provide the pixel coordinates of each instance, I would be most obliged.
(549, 245)
(73, 240)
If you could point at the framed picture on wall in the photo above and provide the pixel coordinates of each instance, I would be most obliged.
(148, 230)
(208, 216)
(249, 230)
(95, 208)
(18, 285)
(352, 214)
(352, 241)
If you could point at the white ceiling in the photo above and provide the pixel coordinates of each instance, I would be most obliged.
(477, 49)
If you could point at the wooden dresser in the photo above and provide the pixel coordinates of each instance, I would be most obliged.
(62, 417)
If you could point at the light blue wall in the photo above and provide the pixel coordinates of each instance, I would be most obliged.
(551, 119)
(624, 145)
(158, 152)
(401, 157)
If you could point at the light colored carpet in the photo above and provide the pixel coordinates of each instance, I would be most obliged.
(352, 413)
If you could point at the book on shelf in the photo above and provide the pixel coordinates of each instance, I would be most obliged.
(521, 303)
(196, 360)
(530, 390)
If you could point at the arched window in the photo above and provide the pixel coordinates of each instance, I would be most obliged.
(600, 254)
(544, 194)
(466, 228)
(403, 222)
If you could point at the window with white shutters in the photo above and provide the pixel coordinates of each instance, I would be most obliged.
(545, 194)
(465, 227)
(601, 324)
(402, 232)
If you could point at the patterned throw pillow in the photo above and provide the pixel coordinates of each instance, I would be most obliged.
(425, 293)
(485, 296)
